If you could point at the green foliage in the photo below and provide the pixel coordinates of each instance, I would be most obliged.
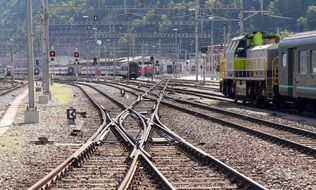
(301, 12)
(285, 33)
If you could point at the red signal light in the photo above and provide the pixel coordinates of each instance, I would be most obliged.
(52, 53)
(76, 54)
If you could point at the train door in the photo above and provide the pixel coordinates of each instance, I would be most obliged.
(302, 73)
(292, 71)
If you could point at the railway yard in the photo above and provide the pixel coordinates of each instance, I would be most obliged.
(162, 134)
(142, 95)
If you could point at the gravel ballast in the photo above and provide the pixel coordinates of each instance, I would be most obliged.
(269, 164)
(22, 162)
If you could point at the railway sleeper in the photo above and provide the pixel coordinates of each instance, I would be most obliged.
(84, 155)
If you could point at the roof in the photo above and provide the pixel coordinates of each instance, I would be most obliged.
(303, 38)
(250, 36)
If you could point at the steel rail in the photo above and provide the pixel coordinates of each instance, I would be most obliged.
(263, 135)
(210, 160)
(12, 89)
(144, 155)
(75, 159)
(204, 157)
(282, 127)
(80, 155)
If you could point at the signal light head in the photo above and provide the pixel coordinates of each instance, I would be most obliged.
(52, 53)
(76, 54)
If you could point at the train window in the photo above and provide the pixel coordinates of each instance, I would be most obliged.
(303, 62)
(313, 64)
(284, 59)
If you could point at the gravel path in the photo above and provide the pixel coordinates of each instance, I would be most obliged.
(22, 163)
(269, 164)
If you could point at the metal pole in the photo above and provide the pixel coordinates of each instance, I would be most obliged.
(30, 58)
(261, 7)
(179, 55)
(204, 65)
(229, 31)
(159, 56)
(128, 48)
(114, 61)
(128, 58)
(224, 33)
(196, 41)
(212, 48)
(125, 7)
(143, 60)
(45, 42)
(176, 56)
(99, 62)
(95, 50)
(241, 17)
(13, 70)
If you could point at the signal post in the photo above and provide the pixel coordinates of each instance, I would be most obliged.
(76, 56)
(31, 115)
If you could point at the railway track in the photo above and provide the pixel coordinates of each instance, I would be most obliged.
(8, 86)
(136, 145)
(296, 138)
(173, 89)
(213, 95)
(208, 85)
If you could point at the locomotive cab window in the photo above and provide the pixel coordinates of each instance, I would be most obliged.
(303, 62)
(313, 62)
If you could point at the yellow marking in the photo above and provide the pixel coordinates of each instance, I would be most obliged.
(62, 94)
(11, 145)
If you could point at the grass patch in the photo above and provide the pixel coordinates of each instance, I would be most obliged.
(11, 144)
(61, 93)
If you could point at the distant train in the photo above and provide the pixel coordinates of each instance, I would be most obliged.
(113, 70)
(259, 69)
(8, 70)
(62, 70)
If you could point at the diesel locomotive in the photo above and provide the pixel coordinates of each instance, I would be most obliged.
(259, 68)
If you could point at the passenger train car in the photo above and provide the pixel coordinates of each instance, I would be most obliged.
(120, 69)
(259, 69)
(134, 70)
(62, 70)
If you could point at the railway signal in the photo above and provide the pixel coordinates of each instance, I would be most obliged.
(36, 71)
(95, 61)
(52, 55)
(95, 18)
(76, 54)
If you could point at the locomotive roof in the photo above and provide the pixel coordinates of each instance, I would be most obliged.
(299, 39)
(250, 36)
